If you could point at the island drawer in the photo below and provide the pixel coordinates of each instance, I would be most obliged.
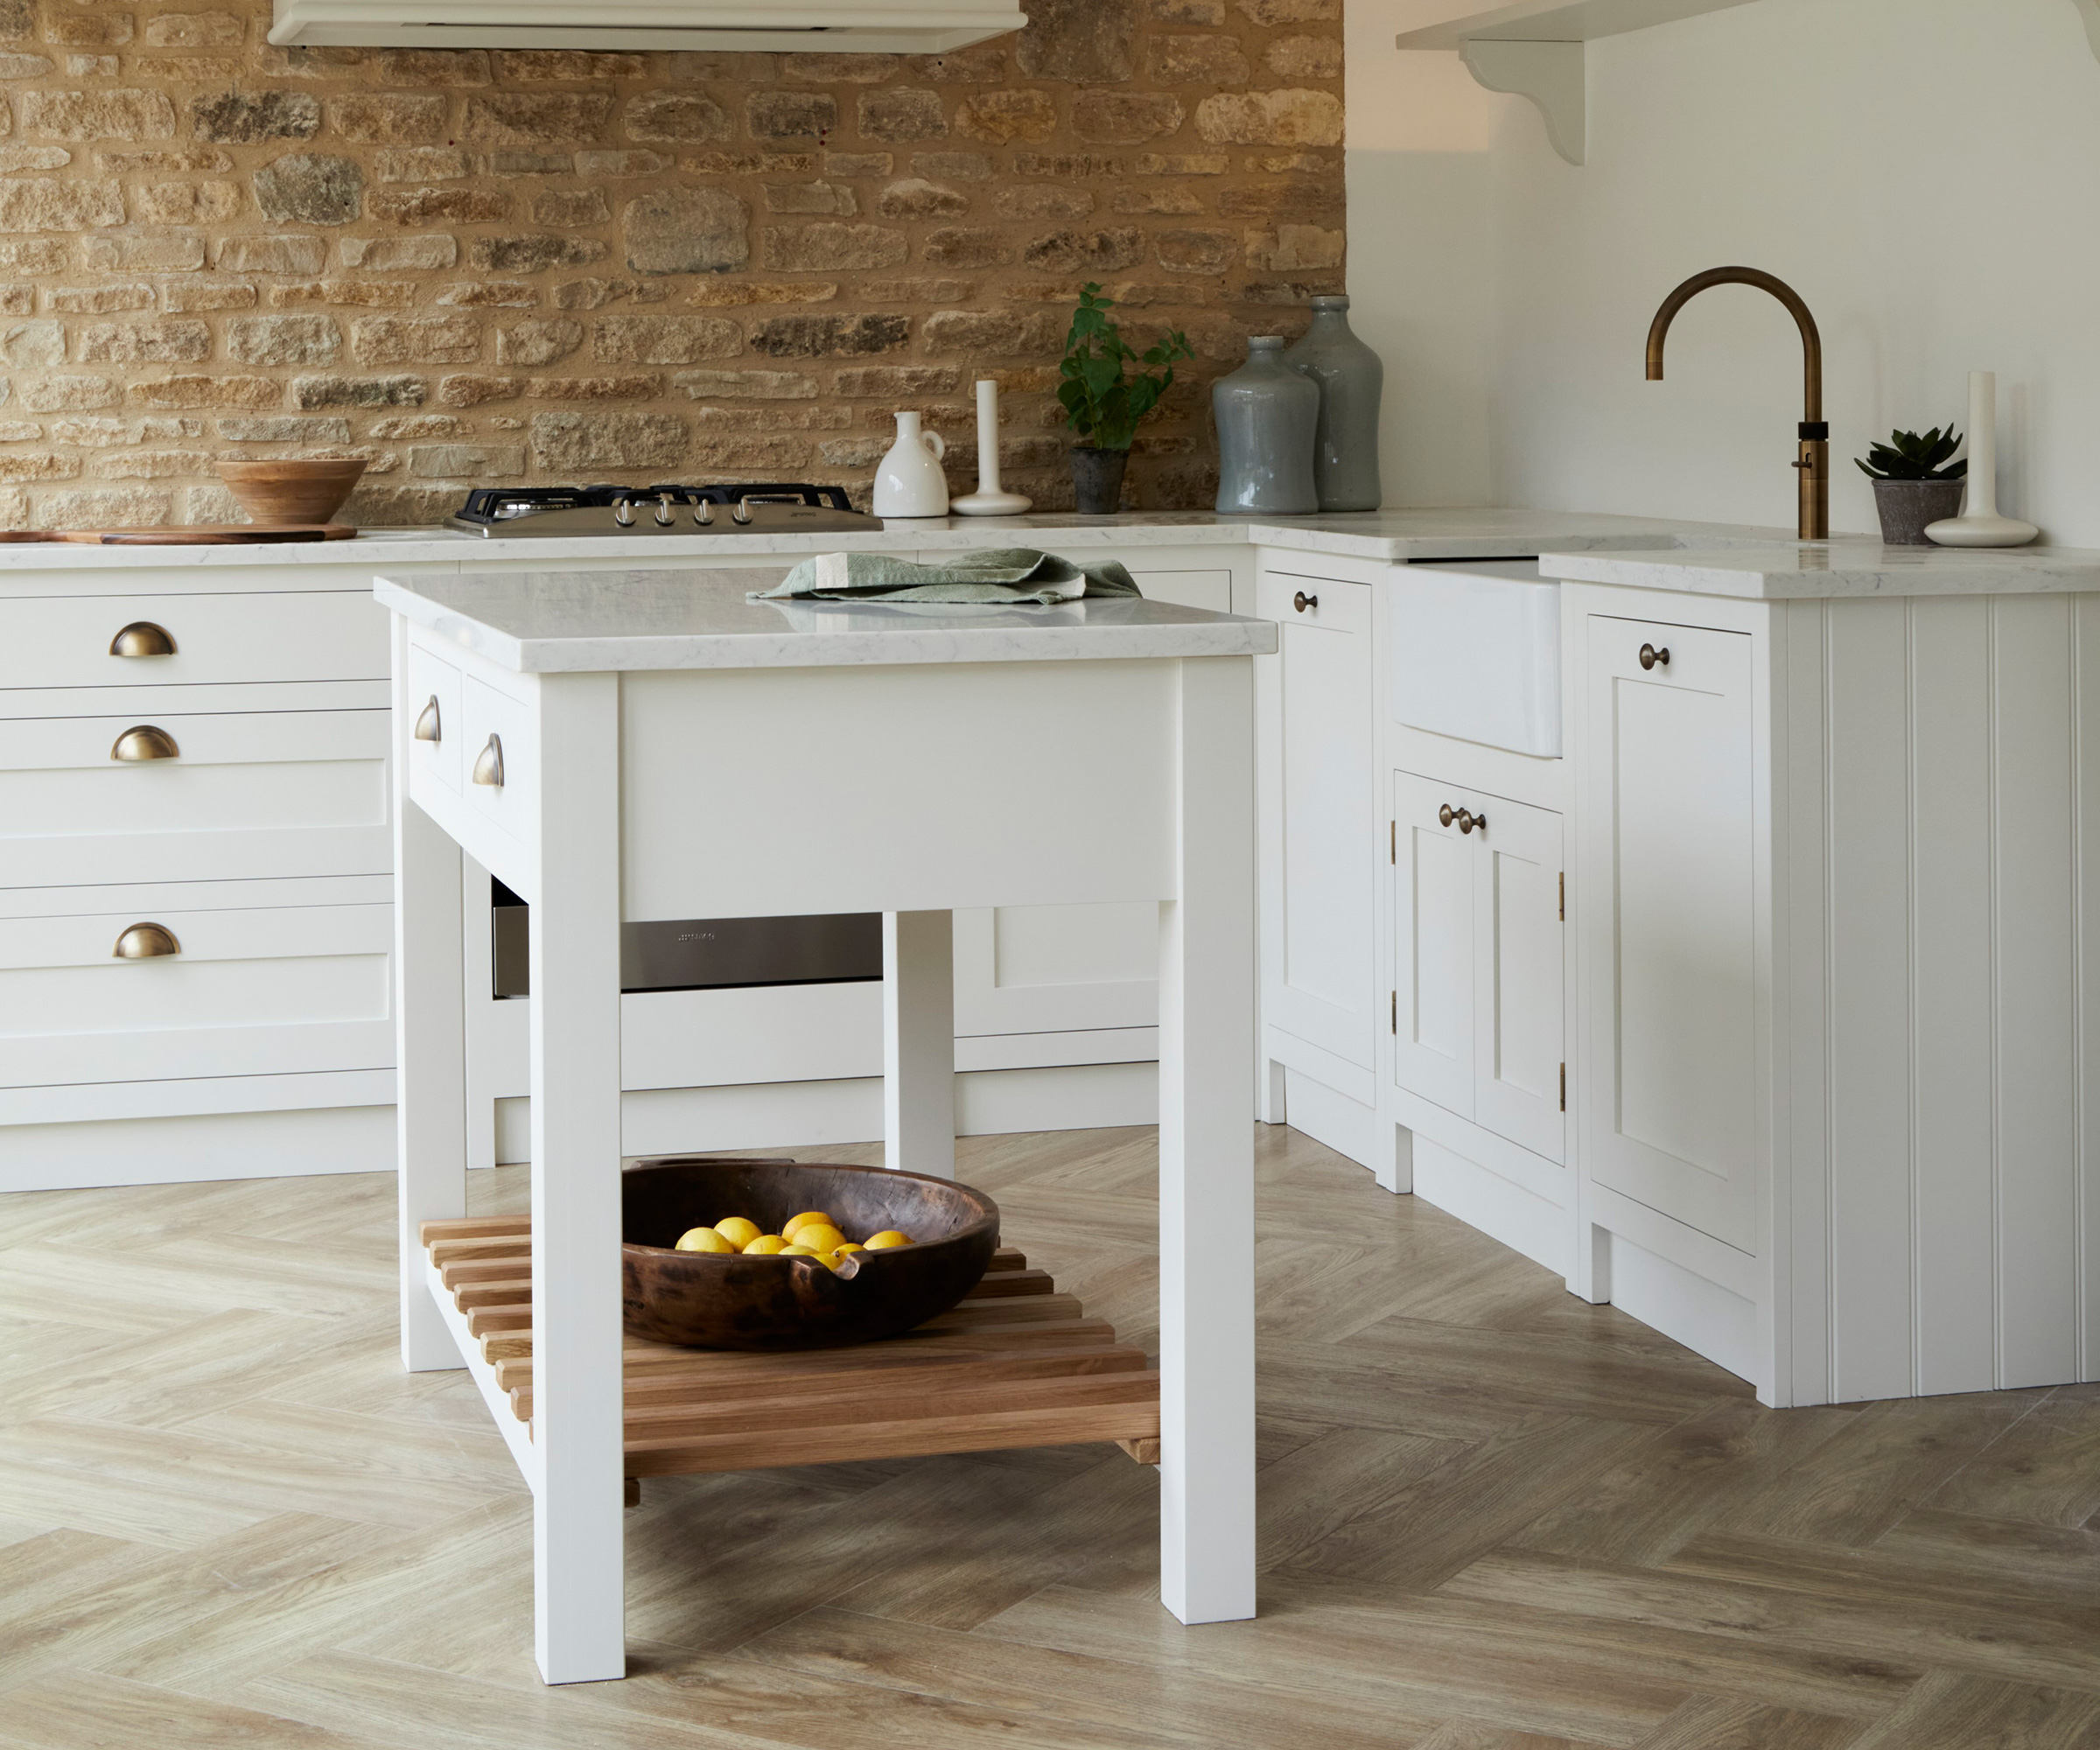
(218, 796)
(500, 752)
(434, 698)
(293, 635)
(190, 988)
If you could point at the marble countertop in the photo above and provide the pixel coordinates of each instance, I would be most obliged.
(573, 622)
(1847, 566)
(1388, 536)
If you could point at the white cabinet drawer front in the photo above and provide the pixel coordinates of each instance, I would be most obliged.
(1056, 969)
(1339, 607)
(310, 636)
(269, 992)
(434, 695)
(1670, 861)
(485, 714)
(243, 793)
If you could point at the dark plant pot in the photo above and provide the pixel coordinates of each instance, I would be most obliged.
(1097, 479)
(1909, 507)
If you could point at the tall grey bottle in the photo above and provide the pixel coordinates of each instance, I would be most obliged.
(1267, 416)
(1351, 379)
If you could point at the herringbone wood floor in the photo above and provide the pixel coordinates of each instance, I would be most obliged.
(1493, 1518)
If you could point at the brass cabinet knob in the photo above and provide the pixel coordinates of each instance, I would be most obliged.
(146, 941)
(1653, 658)
(1464, 819)
(142, 741)
(142, 638)
(489, 764)
(427, 727)
(1301, 601)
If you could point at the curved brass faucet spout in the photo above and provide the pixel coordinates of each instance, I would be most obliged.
(1814, 461)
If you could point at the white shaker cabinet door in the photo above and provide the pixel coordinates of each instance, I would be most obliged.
(1320, 810)
(1668, 824)
(1434, 986)
(1518, 1062)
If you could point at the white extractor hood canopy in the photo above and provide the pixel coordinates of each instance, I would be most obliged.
(836, 26)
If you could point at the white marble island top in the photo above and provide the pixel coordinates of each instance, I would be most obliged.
(590, 622)
(1846, 566)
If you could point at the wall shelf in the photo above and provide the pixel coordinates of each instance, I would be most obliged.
(1534, 49)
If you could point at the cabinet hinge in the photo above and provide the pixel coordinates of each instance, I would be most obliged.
(1564, 896)
(1396, 1014)
(1564, 1086)
(1392, 842)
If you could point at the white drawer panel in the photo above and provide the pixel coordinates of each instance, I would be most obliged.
(248, 795)
(310, 636)
(435, 683)
(512, 805)
(272, 991)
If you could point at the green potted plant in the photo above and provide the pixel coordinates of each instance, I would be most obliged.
(1101, 402)
(1915, 484)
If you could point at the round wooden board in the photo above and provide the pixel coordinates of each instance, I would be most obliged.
(210, 535)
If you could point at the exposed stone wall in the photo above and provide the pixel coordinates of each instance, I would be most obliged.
(552, 267)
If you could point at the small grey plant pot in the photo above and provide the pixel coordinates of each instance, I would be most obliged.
(1909, 507)
(1097, 479)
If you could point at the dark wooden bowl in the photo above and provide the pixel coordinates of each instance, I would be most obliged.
(713, 1300)
(294, 492)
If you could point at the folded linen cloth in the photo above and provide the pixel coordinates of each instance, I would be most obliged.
(1002, 576)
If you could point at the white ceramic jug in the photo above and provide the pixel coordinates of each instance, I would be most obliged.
(909, 482)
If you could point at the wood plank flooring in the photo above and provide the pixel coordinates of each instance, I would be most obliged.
(1493, 1518)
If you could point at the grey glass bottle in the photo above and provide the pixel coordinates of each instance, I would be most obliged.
(1267, 417)
(1351, 379)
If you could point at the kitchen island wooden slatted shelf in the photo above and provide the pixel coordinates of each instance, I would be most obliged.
(1016, 1364)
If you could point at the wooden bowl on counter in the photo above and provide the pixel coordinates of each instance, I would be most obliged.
(716, 1301)
(291, 492)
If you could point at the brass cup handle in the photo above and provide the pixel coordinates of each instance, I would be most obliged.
(142, 638)
(489, 764)
(1464, 819)
(427, 726)
(146, 941)
(1301, 601)
(1653, 658)
(142, 741)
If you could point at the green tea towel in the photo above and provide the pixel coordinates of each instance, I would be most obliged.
(1003, 576)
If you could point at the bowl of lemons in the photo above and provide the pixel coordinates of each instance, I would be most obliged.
(723, 1254)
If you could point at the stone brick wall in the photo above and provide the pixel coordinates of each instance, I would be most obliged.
(552, 267)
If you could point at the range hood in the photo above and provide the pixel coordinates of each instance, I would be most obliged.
(833, 26)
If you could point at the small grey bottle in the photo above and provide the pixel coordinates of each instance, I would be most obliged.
(1351, 379)
(1267, 416)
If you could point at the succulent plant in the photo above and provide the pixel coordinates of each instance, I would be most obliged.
(1909, 456)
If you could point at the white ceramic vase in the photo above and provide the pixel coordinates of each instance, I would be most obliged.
(1979, 524)
(909, 481)
(990, 499)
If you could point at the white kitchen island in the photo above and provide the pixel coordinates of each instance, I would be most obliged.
(636, 746)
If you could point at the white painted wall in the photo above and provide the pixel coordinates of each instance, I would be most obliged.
(1924, 172)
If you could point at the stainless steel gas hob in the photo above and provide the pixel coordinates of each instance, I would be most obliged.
(641, 511)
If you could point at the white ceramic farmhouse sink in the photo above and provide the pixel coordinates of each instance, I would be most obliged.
(1475, 653)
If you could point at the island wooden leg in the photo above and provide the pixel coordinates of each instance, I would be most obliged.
(430, 1047)
(578, 1518)
(1207, 1020)
(919, 1042)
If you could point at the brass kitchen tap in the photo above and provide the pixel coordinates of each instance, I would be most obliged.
(1814, 459)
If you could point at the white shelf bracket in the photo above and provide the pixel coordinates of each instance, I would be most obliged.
(1552, 76)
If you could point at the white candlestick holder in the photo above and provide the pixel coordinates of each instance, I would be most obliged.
(1979, 524)
(988, 500)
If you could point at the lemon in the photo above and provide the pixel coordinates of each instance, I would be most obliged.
(739, 1231)
(886, 1240)
(807, 1218)
(820, 1237)
(766, 1245)
(829, 1260)
(702, 1239)
(799, 1252)
(845, 1246)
